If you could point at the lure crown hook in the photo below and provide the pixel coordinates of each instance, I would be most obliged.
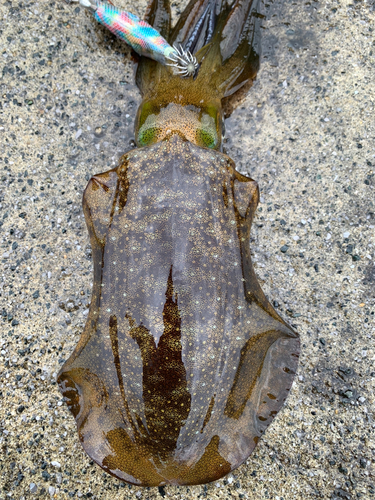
(183, 60)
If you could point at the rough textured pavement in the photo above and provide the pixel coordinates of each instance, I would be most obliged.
(305, 132)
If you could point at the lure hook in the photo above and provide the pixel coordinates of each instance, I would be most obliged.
(184, 61)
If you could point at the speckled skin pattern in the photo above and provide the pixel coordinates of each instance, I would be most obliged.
(183, 362)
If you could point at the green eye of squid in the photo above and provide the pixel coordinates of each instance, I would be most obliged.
(206, 134)
(147, 135)
(149, 131)
(206, 138)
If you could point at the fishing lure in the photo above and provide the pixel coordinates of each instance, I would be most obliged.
(183, 362)
(142, 37)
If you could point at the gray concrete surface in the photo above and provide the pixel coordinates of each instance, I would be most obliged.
(305, 132)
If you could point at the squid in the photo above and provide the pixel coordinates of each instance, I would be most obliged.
(183, 362)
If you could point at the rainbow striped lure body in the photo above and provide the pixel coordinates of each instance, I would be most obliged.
(143, 38)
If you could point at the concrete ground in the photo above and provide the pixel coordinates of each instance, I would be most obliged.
(305, 132)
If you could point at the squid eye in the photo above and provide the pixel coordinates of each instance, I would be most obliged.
(147, 135)
(206, 138)
(206, 133)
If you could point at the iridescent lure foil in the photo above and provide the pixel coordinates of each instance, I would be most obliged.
(142, 37)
